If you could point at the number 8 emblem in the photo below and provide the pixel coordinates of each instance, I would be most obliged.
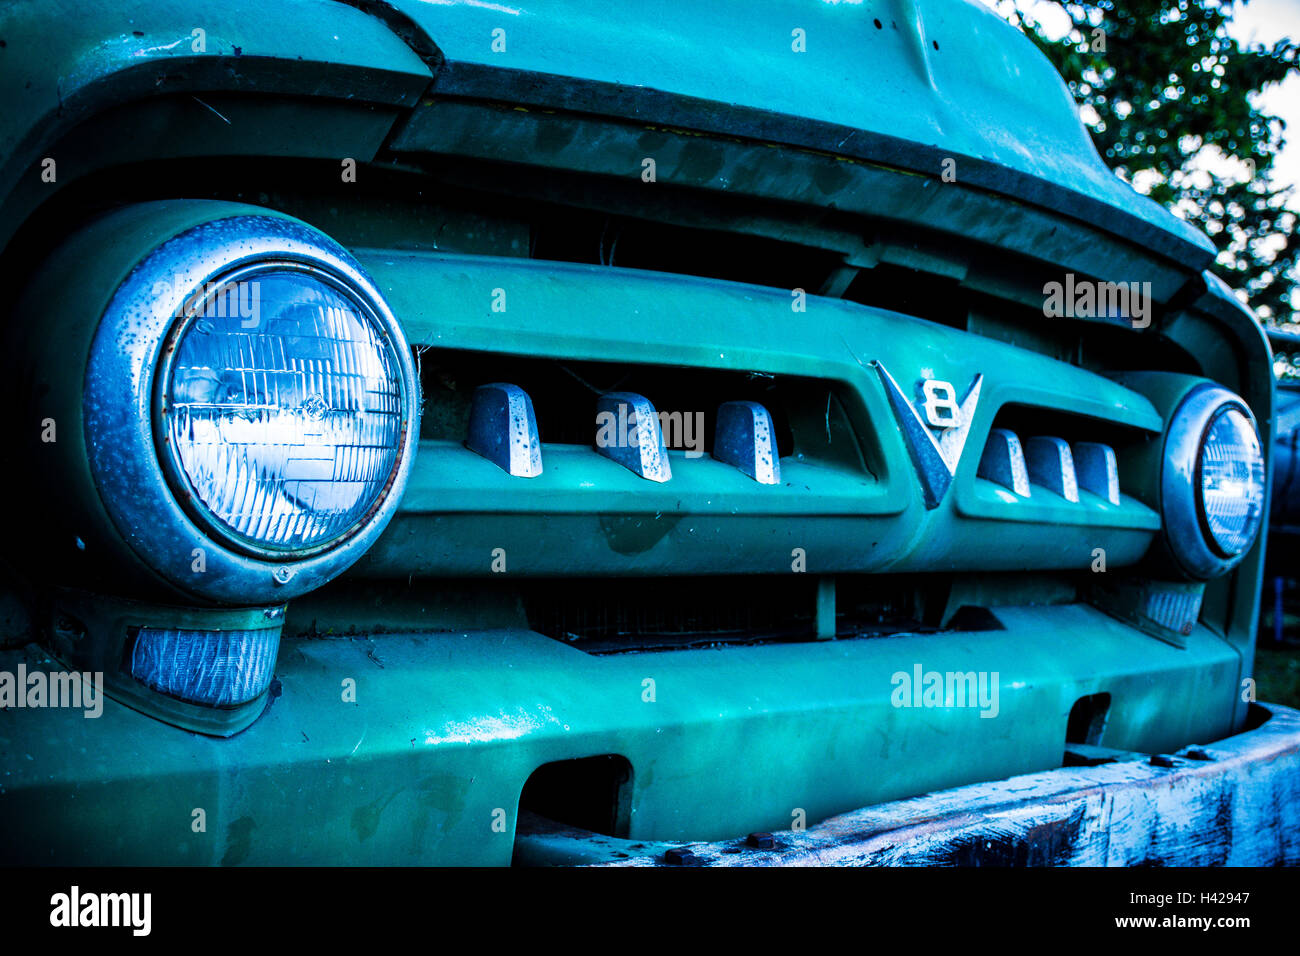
(940, 405)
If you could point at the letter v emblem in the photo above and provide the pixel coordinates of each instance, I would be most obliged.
(935, 458)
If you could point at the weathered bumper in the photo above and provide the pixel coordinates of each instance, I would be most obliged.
(1233, 802)
(414, 749)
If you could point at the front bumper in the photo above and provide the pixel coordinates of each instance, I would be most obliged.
(1233, 802)
(415, 748)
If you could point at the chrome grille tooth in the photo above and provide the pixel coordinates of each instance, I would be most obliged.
(1097, 470)
(628, 432)
(744, 437)
(503, 429)
(1051, 465)
(1003, 462)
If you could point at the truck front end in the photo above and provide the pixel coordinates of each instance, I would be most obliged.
(465, 434)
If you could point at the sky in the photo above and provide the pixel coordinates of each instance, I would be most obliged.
(1266, 21)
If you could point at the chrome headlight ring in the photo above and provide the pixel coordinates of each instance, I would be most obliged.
(142, 483)
(1191, 540)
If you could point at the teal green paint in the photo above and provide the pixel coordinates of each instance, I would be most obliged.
(765, 177)
(446, 731)
(65, 62)
(459, 507)
(605, 314)
(49, 71)
(949, 75)
(446, 728)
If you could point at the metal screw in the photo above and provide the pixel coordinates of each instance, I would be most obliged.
(282, 575)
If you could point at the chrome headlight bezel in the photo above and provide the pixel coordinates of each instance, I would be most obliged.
(1187, 533)
(129, 359)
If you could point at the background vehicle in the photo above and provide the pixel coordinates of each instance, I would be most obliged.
(1284, 517)
(454, 627)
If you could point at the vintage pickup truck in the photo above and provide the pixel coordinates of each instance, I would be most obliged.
(534, 431)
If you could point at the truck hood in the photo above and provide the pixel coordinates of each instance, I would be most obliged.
(906, 83)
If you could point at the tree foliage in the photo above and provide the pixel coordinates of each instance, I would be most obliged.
(1170, 99)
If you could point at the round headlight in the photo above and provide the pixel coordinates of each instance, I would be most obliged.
(1231, 481)
(1213, 482)
(250, 405)
(281, 409)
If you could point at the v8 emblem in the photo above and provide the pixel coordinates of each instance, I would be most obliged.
(940, 405)
(934, 455)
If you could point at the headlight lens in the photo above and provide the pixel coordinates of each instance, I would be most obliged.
(1231, 481)
(1212, 482)
(282, 409)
